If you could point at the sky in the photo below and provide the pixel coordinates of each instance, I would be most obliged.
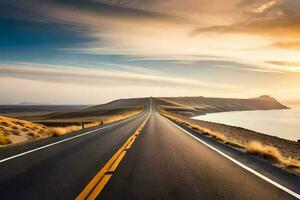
(95, 51)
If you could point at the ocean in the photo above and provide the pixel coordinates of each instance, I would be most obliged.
(281, 123)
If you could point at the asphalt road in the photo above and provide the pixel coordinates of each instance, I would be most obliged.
(164, 162)
(62, 170)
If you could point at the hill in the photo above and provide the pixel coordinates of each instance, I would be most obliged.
(14, 130)
(191, 106)
(122, 103)
(188, 106)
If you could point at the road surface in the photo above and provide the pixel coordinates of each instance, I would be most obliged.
(162, 161)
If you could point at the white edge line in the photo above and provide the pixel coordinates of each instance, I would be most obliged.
(241, 164)
(58, 142)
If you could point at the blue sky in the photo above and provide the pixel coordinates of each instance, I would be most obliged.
(93, 51)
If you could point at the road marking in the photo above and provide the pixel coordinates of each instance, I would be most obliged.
(99, 187)
(117, 162)
(58, 142)
(131, 142)
(241, 164)
(96, 185)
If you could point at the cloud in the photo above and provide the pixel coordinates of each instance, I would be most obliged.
(67, 84)
(260, 8)
(278, 28)
(291, 45)
(264, 18)
(95, 77)
(284, 63)
(61, 93)
(284, 66)
(66, 11)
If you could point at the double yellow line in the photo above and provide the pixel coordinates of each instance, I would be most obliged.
(96, 185)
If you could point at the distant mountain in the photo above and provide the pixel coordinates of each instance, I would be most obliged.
(28, 103)
(202, 105)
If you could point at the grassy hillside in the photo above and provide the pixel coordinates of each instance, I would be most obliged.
(14, 130)
(84, 115)
(35, 121)
(74, 114)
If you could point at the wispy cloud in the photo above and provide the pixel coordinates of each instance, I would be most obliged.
(284, 63)
(94, 77)
(275, 18)
(291, 45)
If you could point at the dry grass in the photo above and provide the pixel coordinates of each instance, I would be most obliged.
(59, 131)
(202, 130)
(253, 147)
(14, 130)
(34, 135)
(3, 139)
(121, 116)
(234, 143)
(24, 129)
(271, 153)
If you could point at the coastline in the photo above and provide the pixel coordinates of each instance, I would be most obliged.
(288, 148)
(279, 123)
(196, 106)
(280, 152)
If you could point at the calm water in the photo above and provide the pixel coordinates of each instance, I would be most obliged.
(280, 123)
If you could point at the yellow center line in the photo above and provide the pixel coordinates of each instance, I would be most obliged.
(99, 187)
(116, 163)
(130, 143)
(96, 185)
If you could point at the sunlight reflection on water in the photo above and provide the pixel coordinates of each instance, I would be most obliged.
(280, 123)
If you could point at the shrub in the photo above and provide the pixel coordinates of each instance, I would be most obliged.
(270, 153)
(24, 129)
(234, 143)
(15, 132)
(59, 131)
(195, 128)
(31, 134)
(4, 140)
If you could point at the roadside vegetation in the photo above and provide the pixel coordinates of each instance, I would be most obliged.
(271, 153)
(3, 138)
(14, 130)
(59, 131)
(268, 152)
